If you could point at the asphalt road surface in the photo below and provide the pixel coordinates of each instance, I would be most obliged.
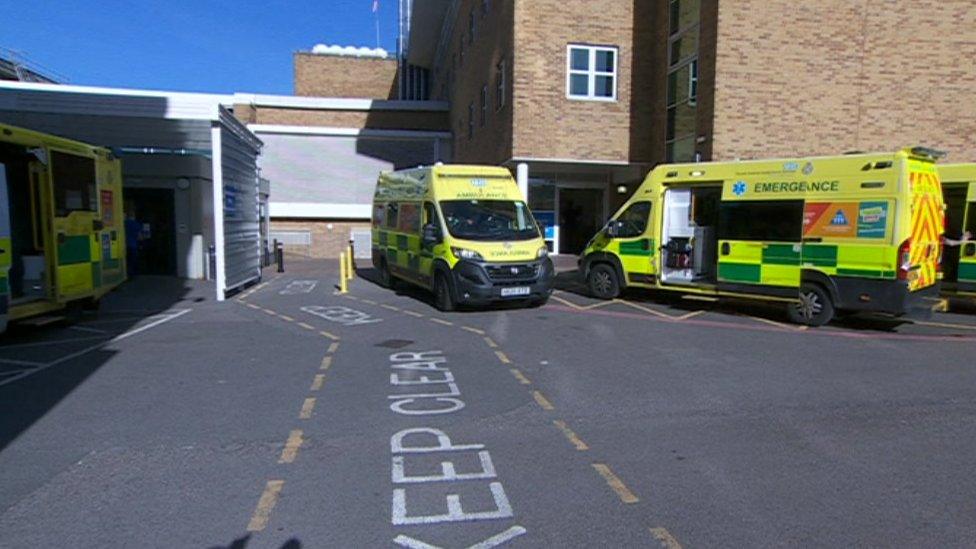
(291, 416)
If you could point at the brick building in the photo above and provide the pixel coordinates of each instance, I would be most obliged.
(588, 96)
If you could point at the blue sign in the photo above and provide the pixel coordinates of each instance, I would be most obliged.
(547, 222)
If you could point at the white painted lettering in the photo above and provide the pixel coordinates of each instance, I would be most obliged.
(425, 355)
(453, 392)
(493, 541)
(395, 379)
(444, 443)
(448, 472)
(455, 513)
(454, 405)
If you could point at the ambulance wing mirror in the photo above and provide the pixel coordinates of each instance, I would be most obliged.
(432, 235)
(613, 228)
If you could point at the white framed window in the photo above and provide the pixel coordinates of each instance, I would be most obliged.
(591, 72)
(693, 82)
(484, 105)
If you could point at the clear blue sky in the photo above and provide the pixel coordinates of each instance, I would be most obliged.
(196, 45)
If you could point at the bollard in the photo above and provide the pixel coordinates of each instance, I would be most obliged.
(280, 256)
(342, 274)
(350, 269)
(212, 262)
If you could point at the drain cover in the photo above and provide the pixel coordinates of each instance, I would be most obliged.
(395, 343)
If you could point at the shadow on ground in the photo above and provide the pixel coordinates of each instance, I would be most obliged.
(40, 366)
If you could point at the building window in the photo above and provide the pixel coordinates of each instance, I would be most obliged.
(470, 120)
(461, 52)
(682, 90)
(471, 27)
(485, 7)
(500, 85)
(591, 73)
(484, 105)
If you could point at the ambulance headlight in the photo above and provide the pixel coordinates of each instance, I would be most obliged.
(462, 253)
(543, 252)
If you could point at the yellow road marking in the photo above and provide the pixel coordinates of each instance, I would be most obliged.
(326, 362)
(705, 298)
(520, 376)
(317, 382)
(665, 537)
(689, 315)
(286, 317)
(583, 307)
(329, 335)
(307, 408)
(944, 325)
(411, 313)
(259, 520)
(502, 357)
(269, 312)
(491, 342)
(542, 401)
(291, 447)
(253, 306)
(615, 483)
(390, 307)
(473, 330)
(439, 321)
(306, 326)
(333, 348)
(647, 310)
(570, 435)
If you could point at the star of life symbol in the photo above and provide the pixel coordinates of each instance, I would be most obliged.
(739, 188)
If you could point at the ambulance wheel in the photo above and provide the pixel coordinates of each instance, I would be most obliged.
(602, 282)
(443, 297)
(814, 308)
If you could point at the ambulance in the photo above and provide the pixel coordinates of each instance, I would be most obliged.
(462, 232)
(858, 232)
(61, 240)
(959, 261)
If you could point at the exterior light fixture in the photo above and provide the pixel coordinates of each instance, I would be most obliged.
(621, 189)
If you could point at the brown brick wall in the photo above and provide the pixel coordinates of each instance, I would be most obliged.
(548, 125)
(833, 76)
(340, 76)
(398, 120)
(464, 78)
(326, 242)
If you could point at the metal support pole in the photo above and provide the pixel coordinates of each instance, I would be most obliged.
(350, 269)
(280, 256)
(343, 288)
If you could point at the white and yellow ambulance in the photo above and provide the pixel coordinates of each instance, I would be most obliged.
(463, 232)
(959, 258)
(61, 224)
(856, 232)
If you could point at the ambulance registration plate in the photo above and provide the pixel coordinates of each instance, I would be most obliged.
(516, 291)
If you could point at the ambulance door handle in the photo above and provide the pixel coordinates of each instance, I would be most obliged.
(61, 238)
(813, 239)
(969, 250)
(726, 248)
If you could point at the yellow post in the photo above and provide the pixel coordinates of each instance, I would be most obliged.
(350, 270)
(342, 273)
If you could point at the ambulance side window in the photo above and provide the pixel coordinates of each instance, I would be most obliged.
(761, 220)
(633, 220)
(73, 181)
(392, 211)
(971, 219)
(430, 215)
(379, 215)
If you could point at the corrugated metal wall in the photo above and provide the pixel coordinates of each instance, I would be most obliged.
(242, 235)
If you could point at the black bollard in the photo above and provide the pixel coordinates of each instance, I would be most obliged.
(280, 256)
(212, 257)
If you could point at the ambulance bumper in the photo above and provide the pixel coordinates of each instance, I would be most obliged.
(885, 296)
(483, 283)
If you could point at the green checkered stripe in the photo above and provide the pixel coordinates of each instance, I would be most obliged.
(967, 271)
(643, 247)
(398, 246)
(854, 261)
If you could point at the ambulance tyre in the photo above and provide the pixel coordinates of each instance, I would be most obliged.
(443, 296)
(814, 308)
(602, 281)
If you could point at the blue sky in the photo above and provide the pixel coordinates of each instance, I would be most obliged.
(204, 45)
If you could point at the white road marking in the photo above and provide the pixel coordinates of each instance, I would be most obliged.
(493, 541)
(455, 512)
(171, 316)
(341, 315)
(84, 329)
(299, 287)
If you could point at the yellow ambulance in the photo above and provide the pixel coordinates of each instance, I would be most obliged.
(463, 232)
(857, 232)
(61, 225)
(959, 258)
